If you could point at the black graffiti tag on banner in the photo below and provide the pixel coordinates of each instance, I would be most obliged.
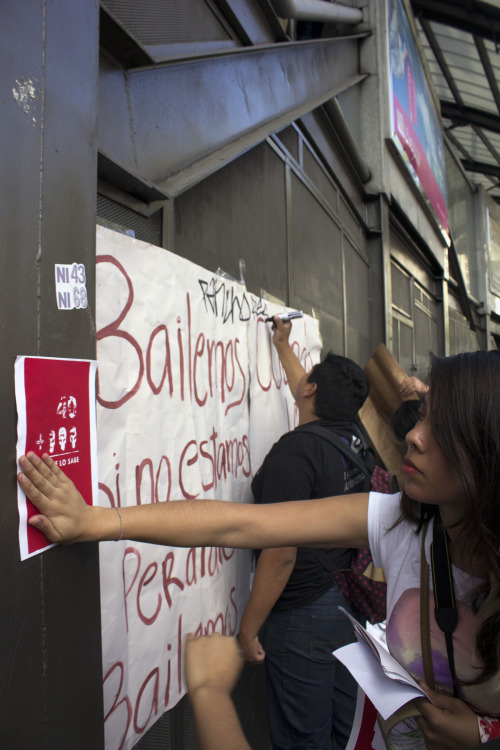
(226, 302)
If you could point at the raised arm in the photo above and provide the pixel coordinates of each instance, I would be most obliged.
(291, 364)
(64, 517)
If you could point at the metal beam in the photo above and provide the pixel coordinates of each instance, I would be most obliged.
(487, 143)
(488, 69)
(438, 54)
(457, 143)
(461, 116)
(175, 124)
(141, 189)
(316, 10)
(468, 160)
(481, 19)
(481, 168)
(495, 186)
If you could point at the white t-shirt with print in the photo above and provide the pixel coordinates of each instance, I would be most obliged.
(398, 552)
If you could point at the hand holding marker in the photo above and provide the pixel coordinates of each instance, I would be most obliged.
(286, 317)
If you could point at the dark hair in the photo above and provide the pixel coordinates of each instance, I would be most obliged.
(342, 388)
(464, 408)
(404, 418)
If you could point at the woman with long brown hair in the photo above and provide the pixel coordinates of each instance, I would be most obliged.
(452, 470)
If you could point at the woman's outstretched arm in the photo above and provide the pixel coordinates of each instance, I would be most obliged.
(64, 517)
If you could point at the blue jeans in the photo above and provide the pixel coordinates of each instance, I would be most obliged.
(311, 697)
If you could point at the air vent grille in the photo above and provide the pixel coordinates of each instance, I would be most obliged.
(160, 22)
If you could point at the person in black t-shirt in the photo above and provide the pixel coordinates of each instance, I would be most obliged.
(311, 697)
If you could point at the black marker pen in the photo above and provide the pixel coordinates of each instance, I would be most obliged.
(286, 317)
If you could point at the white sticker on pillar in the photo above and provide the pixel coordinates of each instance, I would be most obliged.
(71, 290)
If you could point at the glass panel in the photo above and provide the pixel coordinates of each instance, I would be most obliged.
(401, 296)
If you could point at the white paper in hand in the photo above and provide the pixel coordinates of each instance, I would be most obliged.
(386, 683)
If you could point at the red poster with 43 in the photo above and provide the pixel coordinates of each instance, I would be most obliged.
(56, 415)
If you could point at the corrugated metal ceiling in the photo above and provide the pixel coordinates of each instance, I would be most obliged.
(461, 44)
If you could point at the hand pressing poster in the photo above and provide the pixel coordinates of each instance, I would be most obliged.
(56, 415)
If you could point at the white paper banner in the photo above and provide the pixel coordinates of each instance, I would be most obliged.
(176, 347)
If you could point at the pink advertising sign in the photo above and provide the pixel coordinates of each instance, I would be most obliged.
(56, 415)
(417, 131)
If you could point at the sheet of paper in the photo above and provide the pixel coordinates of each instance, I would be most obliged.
(386, 683)
(392, 668)
(386, 693)
(56, 415)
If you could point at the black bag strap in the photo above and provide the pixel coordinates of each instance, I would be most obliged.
(355, 452)
(425, 626)
(445, 611)
(357, 441)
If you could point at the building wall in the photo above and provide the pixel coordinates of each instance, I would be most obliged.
(275, 197)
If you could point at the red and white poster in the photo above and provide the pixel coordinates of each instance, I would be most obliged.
(56, 415)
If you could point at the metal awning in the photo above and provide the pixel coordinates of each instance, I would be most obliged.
(461, 44)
